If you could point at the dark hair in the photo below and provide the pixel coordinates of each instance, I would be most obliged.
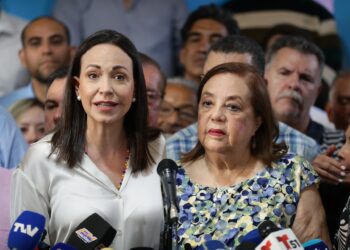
(241, 44)
(213, 12)
(65, 28)
(69, 139)
(297, 43)
(147, 60)
(265, 148)
(58, 74)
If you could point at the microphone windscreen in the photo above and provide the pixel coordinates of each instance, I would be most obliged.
(166, 164)
(93, 232)
(62, 246)
(246, 246)
(26, 231)
(267, 227)
(253, 236)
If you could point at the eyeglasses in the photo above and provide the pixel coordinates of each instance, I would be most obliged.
(153, 95)
(185, 112)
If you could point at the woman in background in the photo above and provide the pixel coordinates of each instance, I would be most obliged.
(101, 159)
(237, 176)
(30, 118)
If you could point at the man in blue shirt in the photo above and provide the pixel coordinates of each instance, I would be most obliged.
(244, 50)
(45, 48)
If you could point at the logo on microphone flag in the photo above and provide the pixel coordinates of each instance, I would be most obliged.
(85, 235)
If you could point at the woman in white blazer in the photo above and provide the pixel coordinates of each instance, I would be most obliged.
(102, 158)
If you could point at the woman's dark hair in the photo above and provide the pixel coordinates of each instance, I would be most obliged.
(69, 140)
(264, 146)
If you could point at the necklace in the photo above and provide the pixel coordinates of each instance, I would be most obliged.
(125, 167)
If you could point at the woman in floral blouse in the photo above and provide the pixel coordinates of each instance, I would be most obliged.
(237, 176)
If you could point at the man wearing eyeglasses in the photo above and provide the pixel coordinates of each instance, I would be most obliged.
(155, 85)
(178, 108)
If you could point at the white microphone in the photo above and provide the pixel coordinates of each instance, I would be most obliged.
(279, 239)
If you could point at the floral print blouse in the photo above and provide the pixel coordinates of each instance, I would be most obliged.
(228, 213)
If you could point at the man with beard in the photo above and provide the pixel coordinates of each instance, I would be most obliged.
(45, 48)
(293, 73)
(202, 28)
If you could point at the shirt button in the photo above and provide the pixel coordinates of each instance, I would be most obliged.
(119, 232)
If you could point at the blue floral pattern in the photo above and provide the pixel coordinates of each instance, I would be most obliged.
(228, 213)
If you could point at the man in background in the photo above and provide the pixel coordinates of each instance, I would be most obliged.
(155, 86)
(202, 28)
(54, 99)
(179, 106)
(45, 48)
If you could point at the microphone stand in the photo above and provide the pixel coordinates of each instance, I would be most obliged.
(171, 218)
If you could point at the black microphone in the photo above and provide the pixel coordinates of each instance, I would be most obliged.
(246, 246)
(267, 227)
(94, 232)
(167, 170)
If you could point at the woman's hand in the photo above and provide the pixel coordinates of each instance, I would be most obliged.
(329, 169)
(310, 221)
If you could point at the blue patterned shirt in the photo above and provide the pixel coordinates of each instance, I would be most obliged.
(298, 143)
(228, 213)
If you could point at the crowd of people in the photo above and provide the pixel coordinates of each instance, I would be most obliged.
(101, 109)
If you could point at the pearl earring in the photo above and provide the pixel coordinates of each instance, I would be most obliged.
(133, 99)
(78, 97)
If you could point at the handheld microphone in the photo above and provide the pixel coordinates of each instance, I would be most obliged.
(280, 239)
(246, 246)
(253, 236)
(267, 227)
(26, 231)
(167, 171)
(93, 232)
(315, 244)
(62, 246)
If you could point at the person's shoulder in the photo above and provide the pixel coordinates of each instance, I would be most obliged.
(291, 160)
(289, 132)
(157, 145)
(295, 166)
(38, 151)
(158, 141)
(184, 134)
(20, 93)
